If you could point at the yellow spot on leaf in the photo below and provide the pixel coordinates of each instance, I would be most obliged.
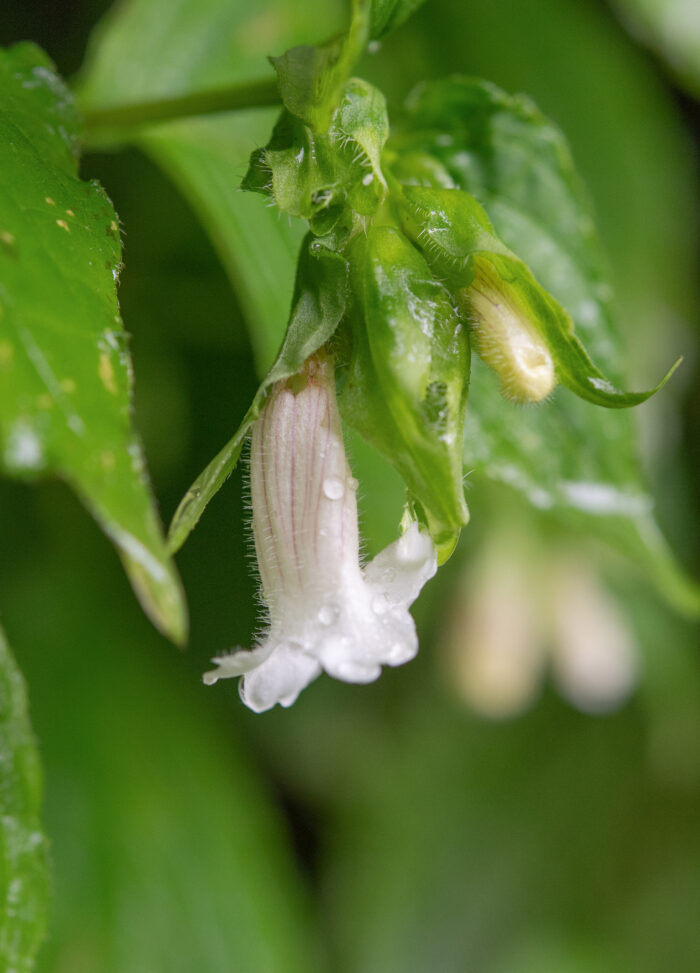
(113, 227)
(63, 225)
(69, 212)
(107, 459)
(50, 201)
(44, 401)
(105, 370)
(7, 237)
(68, 385)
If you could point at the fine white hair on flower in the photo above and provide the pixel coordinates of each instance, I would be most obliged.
(326, 612)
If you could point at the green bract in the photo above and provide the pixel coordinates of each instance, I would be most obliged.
(318, 305)
(406, 386)
(65, 369)
(461, 244)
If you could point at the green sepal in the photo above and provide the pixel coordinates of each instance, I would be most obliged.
(326, 178)
(407, 378)
(454, 232)
(318, 305)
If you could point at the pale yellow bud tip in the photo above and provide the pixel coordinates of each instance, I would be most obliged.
(506, 340)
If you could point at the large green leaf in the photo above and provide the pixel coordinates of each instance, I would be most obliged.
(23, 874)
(562, 455)
(65, 371)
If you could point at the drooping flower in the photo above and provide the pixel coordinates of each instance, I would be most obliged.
(326, 612)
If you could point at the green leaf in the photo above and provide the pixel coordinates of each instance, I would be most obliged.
(24, 884)
(672, 29)
(406, 386)
(318, 305)
(563, 455)
(387, 15)
(64, 363)
(461, 244)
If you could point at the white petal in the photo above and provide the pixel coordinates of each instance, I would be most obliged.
(279, 678)
(402, 568)
(236, 664)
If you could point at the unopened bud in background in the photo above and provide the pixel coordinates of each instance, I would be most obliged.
(595, 661)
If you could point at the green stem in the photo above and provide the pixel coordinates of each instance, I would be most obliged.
(253, 94)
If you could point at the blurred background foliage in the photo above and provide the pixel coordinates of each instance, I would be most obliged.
(395, 827)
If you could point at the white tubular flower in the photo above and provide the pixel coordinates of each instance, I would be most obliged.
(325, 611)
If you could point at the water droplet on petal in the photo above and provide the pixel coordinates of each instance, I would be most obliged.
(388, 575)
(328, 614)
(333, 487)
(353, 483)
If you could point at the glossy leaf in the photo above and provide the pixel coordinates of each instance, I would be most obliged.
(563, 455)
(24, 884)
(317, 308)
(406, 385)
(64, 364)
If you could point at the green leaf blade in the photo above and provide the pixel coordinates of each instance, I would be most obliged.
(65, 369)
(24, 882)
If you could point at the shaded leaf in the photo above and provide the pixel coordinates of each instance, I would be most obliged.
(24, 884)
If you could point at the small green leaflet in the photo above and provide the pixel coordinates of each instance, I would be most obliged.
(65, 370)
(24, 884)
(565, 456)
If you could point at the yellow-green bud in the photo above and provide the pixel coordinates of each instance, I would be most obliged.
(506, 338)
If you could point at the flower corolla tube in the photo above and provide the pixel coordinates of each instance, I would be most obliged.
(326, 611)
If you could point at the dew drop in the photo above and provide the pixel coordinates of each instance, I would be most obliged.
(333, 487)
(388, 575)
(328, 614)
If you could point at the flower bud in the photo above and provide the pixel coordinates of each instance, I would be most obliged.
(506, 337)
